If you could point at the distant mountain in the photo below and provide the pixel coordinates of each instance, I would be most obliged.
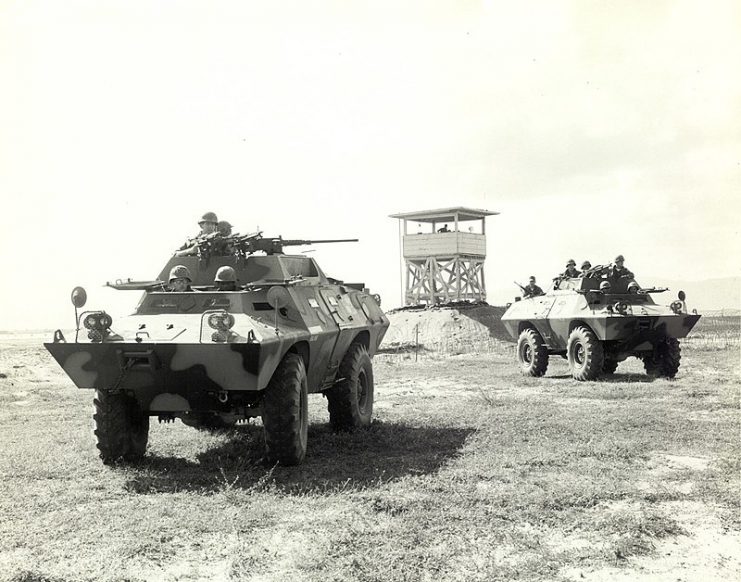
(707, 295)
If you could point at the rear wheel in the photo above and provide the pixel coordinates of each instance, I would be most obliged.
(285, 415)
(663, 361)
(350, 401)
(585, 354)
(532, 353)
(121, 428)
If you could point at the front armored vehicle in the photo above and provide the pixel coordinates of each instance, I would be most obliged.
(236, 330)
(596, 323)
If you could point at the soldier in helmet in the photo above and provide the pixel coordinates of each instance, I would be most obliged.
(585, 266)
(180, 279)
(605, 286)
(531, 289)
(224, 228)
(618, 270)
(208, 223)
(226, 279)
(570, 271)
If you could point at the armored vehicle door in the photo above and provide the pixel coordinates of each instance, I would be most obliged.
(541, 308)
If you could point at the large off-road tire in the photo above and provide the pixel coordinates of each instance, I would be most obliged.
(121, 428)
(285, 414)
(609, 365)
(663, 361)
(350, 401)
(585, 354)
(532, 354)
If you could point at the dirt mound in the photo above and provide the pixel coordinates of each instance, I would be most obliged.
(447, 329)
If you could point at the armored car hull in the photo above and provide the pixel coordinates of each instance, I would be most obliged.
(212, 358)
(595, 330)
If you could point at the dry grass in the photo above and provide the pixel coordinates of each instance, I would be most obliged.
(470, 472)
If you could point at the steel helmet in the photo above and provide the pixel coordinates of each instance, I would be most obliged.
(605, 286)
(619, 258)
(571, 263)
(633, 287)
(179, 272)
(225, 274)
(586, 265)
(224, 227)
(209, 217)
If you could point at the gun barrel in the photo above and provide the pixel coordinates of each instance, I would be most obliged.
(289, 243)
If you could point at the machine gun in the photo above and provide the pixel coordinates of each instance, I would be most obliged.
(254, 242)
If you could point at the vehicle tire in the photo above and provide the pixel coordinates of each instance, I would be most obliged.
(585, 354)
(285, 414)
(121, 428)
(663, 361)
(350, 401)
(609, 365)
(532, 353)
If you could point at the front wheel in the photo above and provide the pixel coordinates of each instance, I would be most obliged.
(121, 427)
(663, 361)
(532, 353)
(285, 415)
(585, 354)
(350, 401)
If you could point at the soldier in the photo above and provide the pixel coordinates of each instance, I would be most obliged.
(585, 266)
(618, 270)
(531, 290)
(224, 228)
(570, 271)
(605, 286)
(226, 279)
(209, 224)
(443, 229)
(180, 279)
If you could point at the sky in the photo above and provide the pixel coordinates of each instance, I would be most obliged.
(594, 128)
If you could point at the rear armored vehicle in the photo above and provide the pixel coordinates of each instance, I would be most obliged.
(596, 324)
(237, 330)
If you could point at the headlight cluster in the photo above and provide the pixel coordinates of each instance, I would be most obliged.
(676, 307)
(222, 322)
(98, 324)
(621, 307)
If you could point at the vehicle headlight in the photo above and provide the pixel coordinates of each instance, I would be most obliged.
(676, 306)
(98, 323)
(621, 307)
(221, 321)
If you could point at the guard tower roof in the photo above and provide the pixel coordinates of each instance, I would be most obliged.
(445, 214)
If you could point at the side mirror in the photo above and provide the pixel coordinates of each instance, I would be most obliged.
(79, 297)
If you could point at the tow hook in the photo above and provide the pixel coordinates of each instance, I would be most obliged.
(223, 396)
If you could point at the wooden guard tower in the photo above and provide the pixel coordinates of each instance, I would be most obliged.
(444, 254)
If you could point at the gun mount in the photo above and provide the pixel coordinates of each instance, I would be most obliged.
(216, 244)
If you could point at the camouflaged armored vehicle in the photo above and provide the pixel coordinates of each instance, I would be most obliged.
(596, 326)
(212, 358)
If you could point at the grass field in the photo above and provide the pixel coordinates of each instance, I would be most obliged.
(469, 472)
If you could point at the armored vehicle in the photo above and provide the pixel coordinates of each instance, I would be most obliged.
(213, 357)
(596, 323)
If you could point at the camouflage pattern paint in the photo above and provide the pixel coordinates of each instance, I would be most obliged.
(166, 347)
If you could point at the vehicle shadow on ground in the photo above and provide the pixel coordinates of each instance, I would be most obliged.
(359, 460)
(616, 378)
